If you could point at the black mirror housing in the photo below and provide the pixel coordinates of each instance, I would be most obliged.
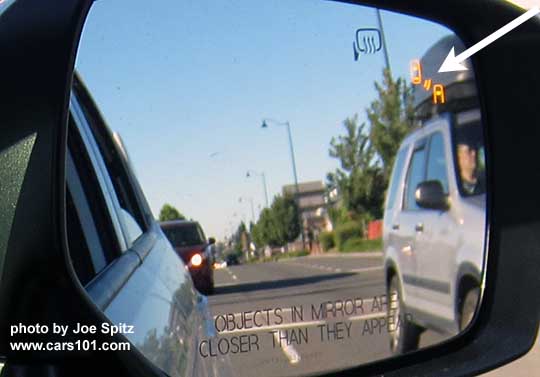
(507, 321)
(431, 195)
(211, 240)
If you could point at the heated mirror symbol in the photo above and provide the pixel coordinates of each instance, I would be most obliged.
(367, 41)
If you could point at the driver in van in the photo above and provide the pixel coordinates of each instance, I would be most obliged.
(467, 155)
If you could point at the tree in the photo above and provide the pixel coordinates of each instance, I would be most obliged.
(257, 235)
(265, 231)
(359, 179)
(285, 219)
(391, 118)
(168, 212)
(241, 238)
(277, 225)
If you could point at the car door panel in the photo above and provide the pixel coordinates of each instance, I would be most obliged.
(406, 256)
(440, 237)
(409, 219)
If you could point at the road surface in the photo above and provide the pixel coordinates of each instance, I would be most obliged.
(302, 315)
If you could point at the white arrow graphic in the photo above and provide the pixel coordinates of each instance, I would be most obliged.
(453, 62)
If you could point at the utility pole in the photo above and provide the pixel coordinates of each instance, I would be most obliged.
(295, 175)
(385, 50)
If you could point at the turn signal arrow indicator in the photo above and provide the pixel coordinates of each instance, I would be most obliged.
(454, 63)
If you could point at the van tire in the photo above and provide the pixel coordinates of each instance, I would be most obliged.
(468, 307)
(405, 337)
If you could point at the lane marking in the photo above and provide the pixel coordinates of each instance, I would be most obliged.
(366, 254)
(289, 351)
(231, 284)
(232, 275)
(367, 269)
(335, 269)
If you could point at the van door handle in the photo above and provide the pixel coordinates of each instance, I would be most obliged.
(419, 227)
(395, 226)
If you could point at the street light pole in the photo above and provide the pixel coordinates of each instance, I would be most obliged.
(292, 157)
(252, 209)
(248, 174)
(385, 50)
(293, 160)
(265, 189)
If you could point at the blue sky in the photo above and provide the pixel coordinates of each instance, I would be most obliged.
(187, 84)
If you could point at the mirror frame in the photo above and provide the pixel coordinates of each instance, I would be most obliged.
(506, 324)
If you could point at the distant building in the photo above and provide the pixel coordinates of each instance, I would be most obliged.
(312, 205)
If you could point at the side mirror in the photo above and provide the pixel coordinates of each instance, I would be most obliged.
(211, 240)
(430, 194)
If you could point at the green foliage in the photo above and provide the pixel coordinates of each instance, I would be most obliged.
(278, 256)
(241, 238)
(338, 214)
(265, 231)
(168, 212)
(277, 225)
(285, 216)
(366, 158)
(344, 232)
(361, 245)
(257, 235)
(327, 240)
(359, 179)
(238, 248)
(391, 117)
(291, 254)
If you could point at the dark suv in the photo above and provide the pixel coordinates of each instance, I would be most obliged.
(189, 241)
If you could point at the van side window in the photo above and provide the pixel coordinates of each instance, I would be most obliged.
(415, 175)
(436, 166)
(396, 178)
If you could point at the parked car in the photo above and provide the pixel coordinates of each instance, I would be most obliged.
(189, 241)
(232, 259)
(435, 215)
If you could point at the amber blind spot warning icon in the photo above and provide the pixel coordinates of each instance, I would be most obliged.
(438, 90)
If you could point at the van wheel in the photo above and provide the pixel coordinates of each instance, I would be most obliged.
(468, 308)
(404, 334)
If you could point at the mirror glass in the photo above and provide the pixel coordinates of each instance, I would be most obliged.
(296, 134)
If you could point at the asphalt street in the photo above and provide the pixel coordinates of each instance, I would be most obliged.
(304, 315)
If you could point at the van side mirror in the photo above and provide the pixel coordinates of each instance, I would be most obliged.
(430, 195)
